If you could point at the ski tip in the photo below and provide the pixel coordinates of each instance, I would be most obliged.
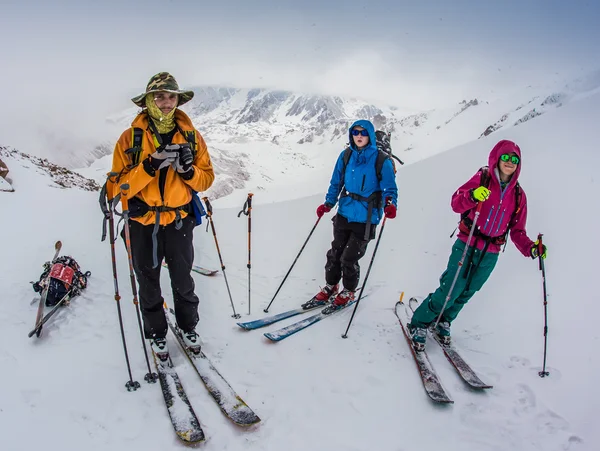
(273, 338)
(191, 436)
(58, 245)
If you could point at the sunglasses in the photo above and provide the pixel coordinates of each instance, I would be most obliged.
(363, 132)
(512, 158)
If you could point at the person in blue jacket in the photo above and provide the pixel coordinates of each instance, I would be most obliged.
(362, 194)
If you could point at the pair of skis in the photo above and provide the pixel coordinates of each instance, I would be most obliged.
(293, 328)
(431, 381)
(182, 415)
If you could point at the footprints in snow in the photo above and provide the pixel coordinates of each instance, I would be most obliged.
(524, 422)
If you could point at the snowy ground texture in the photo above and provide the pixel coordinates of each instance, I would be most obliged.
(315, 390)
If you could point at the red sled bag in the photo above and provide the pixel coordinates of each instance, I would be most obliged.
(63, 278)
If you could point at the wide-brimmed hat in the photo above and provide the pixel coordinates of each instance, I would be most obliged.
(165, 82)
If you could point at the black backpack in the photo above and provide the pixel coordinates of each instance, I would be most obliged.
(63, 278)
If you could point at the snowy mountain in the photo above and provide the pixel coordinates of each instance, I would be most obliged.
(315, 390)
(246, 128)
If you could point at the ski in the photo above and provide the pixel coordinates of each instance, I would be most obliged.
(228, 400)
(285, 332)
(184, 420)
(37, 330)
(40, 311)
(462, 367)
(451, 353)
(200, 270)
(431, 382)
(268, 320)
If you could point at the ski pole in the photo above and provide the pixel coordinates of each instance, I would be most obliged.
(247, 210)
(460, 263)
(345, 335)
(290, 270)
(543, 373)
(131, 385)
(212, 226)
(150, 377)
(44, 294)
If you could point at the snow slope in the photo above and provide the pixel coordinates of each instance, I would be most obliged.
(315, 390)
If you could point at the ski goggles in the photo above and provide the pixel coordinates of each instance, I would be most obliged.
(362, 132)
(512, 158)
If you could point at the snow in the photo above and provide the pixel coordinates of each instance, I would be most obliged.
(315, 390)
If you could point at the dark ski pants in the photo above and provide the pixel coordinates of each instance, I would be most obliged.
(470, 280)
(347, 248)
(176, 247)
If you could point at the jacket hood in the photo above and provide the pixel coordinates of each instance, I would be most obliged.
(367, 125)
(502, 147)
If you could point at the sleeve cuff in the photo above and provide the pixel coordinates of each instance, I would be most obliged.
(148, 167)
(187, 175)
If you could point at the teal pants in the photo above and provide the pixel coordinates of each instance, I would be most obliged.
(474, 273)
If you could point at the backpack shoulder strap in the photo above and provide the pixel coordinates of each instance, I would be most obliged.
(518, 195)
(485, 176)
(381, 157)
(135, 151)
(346, 158)
(190, 137)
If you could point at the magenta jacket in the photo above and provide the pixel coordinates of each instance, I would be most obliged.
(497, 210)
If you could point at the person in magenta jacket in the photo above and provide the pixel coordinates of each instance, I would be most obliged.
(503, 211)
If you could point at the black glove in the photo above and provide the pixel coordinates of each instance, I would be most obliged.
(160, 159)
(183, 164)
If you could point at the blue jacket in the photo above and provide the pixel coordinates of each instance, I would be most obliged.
(361, 178)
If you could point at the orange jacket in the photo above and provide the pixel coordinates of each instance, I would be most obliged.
(177, 191)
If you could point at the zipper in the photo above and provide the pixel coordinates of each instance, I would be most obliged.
(362, 187)
(487, 221)
(497, 211)
(500, 222)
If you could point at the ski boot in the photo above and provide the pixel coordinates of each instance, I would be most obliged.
(192, 341)
(418, 335)
(322, 297)
(340, 301)
(442, 331)
(159, 347)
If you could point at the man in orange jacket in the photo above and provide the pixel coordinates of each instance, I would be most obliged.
(164, 159)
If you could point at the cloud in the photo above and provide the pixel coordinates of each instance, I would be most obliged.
(68, 64)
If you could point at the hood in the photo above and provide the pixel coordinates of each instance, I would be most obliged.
(504, 146)
(367, 125)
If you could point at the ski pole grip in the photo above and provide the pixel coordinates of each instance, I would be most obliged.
(125, 196)
(540, 249)
(250, 201)
(208, 206)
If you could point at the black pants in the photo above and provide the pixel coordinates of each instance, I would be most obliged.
(348, 246)
(176, 247)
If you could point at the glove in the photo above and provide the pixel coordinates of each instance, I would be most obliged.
(322, 209)
(162, 158)
(535, 253)
(389, 210)
(185, 159)
(480, 194)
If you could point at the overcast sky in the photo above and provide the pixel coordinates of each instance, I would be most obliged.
(73, 62)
